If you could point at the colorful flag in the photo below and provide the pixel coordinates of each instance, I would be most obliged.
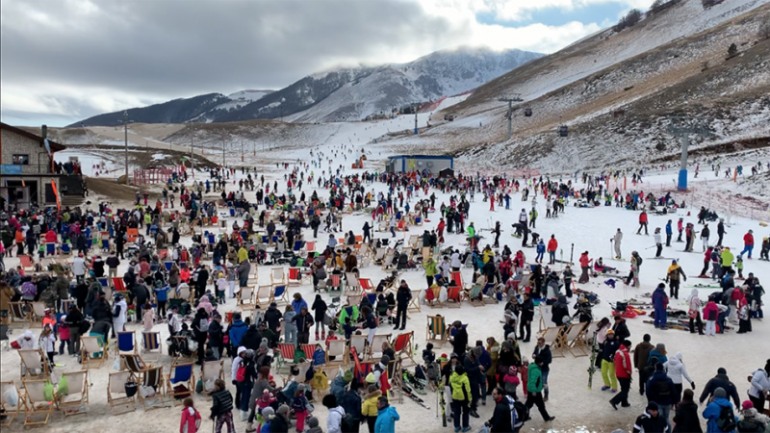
(56, 194)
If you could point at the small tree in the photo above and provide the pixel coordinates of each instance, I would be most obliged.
(633, 16)
(732, 51)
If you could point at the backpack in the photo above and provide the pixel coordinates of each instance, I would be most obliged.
(348, 423)
(639, 261)
(240, 374)
(519, 412)
(726, 419)
(750, 425)
(203, 324)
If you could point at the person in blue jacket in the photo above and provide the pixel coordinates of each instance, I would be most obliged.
(714, 409)
(659, 304)
(386, 417)
(669, 233)
(237, 330)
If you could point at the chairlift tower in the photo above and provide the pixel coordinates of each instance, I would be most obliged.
(515, 98)
(681, 131)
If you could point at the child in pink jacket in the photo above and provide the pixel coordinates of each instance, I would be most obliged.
(191, 418)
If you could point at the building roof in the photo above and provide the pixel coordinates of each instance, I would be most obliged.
(422, 156)
(54, 145)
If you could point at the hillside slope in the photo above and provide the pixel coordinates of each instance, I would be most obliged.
(617, 92)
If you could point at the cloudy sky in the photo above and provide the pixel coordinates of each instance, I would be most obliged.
(65, 60)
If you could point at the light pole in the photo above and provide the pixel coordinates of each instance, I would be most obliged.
(510, 102)
(192, 153)
(281, 106)
(125, 140)
(682, 133)
(416, 105)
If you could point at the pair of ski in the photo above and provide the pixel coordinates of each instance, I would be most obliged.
(409, 392)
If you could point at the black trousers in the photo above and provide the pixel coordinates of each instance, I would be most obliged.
(401, 317)
(525, 325)
(622, 396)
(668, 239)
(643, 376)
(536, 399)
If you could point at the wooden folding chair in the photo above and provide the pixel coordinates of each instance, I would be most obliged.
(264, 296)
(281, 294)
(27, 263)
(358, 342)
(34, 364)
(210, 372)
(152, 378)
(180, 382)
(355, 299)
(285, 354)
(21, 313)
(551, 336)
(246, 296)
(295, 276)
(414, 303)
(366, 284)
(375, 349)
(76, 400)
(126, 343)
(151, 343)
(38, 312)
(404, 346)
(117, 398)
(35, 403)
(336, 282)
(10, 411)
(338, 350)
(277, 276)
(454, 297)
(437, 329)
(351, 282)
(185, 293)
(135, 364)
(576, 339)
(93, 350)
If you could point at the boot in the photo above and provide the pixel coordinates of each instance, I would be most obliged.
(323, 334)
(250, 428)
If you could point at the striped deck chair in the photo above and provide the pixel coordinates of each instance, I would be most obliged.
(210, 372)
(135, 364)
(375, 350)
(436, 329)
(336, 280)
(153, 378)
(285, 354)
(265, 295)
(151, 343)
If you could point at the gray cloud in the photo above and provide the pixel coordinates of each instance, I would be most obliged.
(76, 58)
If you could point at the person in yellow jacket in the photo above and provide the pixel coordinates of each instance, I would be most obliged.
(369, 406)
(487, 254)
(727, 260)
(430, 270)
(461, 397)
(243, 254)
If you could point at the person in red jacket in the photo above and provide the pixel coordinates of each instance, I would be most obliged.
(553, 244)
(642, 223)
(748, 243)
(585, 264)
(623, 371)
(710, 314)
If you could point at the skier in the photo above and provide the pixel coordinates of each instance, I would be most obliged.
(748, 243)
(616, 243)
(658, 242)
(585, 264)
(642, 223)
(660, 303)
(672, 278)
(720, 231)
(680, 229)
(668, 233)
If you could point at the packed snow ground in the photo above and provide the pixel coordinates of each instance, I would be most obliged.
(577, 409)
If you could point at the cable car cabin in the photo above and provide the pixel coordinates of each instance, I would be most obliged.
(563, 131)
(528, 112)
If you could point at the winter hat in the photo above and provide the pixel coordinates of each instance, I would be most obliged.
(721, 370)
(385, 359)
(652, 406)
(263, 345)
(348, 376)
(747, 404)
(241, 349)
(282, 410)
(660, 347)
(720, 392)
(370, 378)
(312, 422)
(268, 412)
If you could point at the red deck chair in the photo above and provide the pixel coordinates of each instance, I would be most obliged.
(26, 262)
(457, 277)
(403, 346)
(119, 285)
(336, 281)
(366, 284)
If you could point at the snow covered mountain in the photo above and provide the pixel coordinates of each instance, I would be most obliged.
(340, 94)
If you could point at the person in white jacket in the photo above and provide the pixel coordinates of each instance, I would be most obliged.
(336, 414)
(121, 308)
(760, 387)
(677, 372)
